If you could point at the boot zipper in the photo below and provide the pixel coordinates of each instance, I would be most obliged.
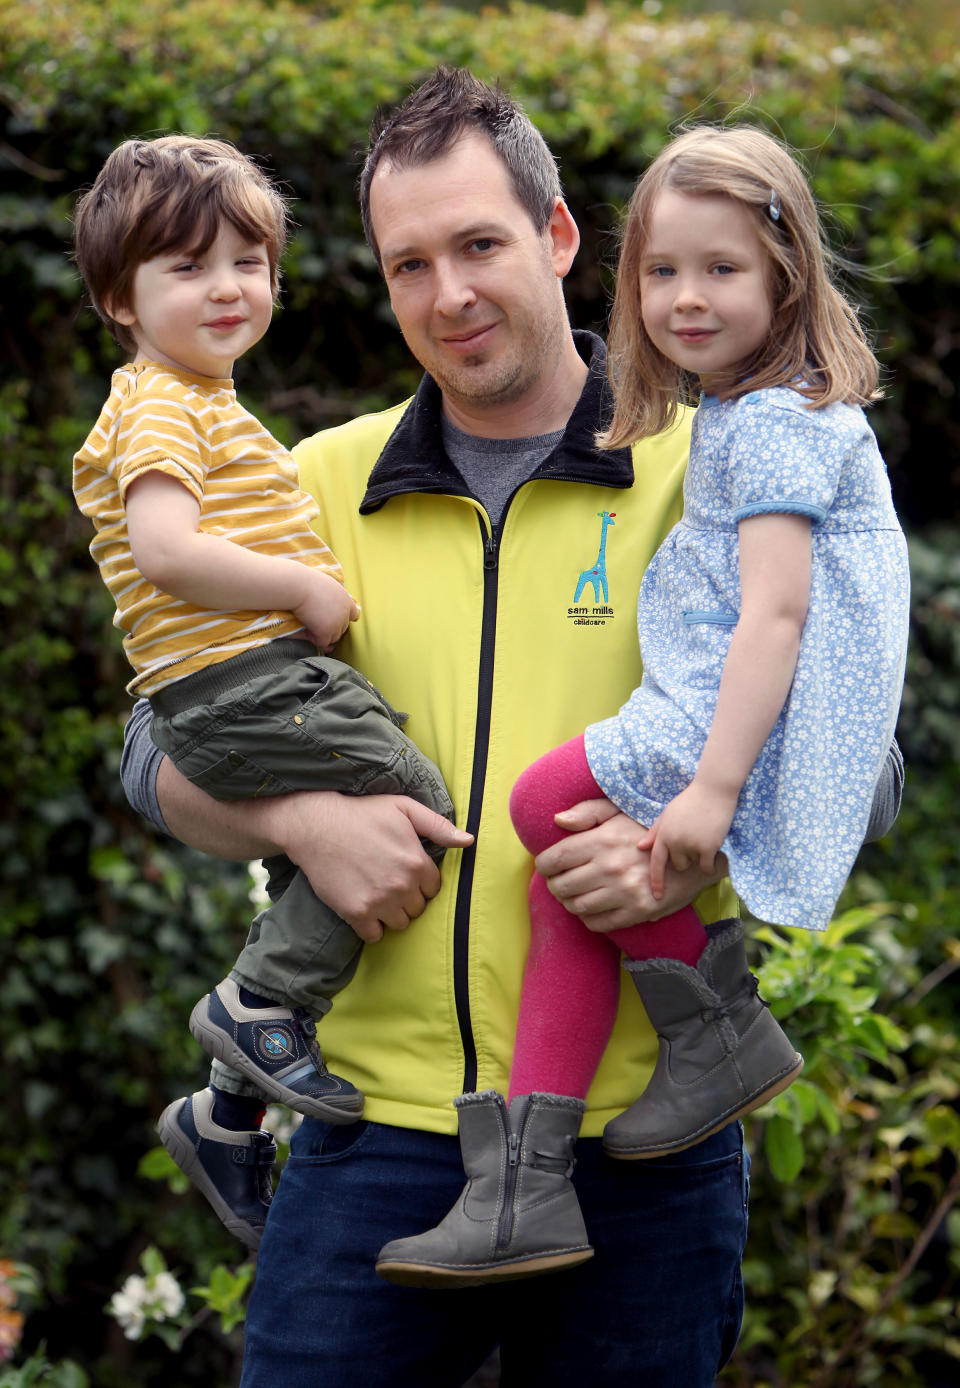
(506, 1219)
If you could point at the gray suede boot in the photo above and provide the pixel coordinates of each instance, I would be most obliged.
(518, 1214)
(721, 1051)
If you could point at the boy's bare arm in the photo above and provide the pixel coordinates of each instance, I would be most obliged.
(211, 571)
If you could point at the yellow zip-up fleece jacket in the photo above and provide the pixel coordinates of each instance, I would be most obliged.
(475, 633)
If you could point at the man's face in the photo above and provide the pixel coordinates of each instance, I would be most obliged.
(475, 288)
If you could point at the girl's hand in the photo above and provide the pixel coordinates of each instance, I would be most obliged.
(326, 610)
(689, 833)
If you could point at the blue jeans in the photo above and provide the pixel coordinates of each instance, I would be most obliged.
(659, 1305)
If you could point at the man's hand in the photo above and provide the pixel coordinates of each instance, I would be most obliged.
(326, 611)
(689, 832)
(600, 875)
(362, 854)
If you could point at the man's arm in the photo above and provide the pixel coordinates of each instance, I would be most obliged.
(886, 796)
(600, 875)
(362, 854)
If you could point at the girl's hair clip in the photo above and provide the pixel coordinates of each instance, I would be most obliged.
(773, 206)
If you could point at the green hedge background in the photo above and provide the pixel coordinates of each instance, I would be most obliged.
(108, 933)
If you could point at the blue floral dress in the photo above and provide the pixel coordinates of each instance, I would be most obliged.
(803, 809)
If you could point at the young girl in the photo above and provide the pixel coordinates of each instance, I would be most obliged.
(773, 625)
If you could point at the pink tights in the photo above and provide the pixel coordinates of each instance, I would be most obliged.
(571, 985)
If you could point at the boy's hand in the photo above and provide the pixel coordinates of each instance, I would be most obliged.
(326, 610)
(690, 832)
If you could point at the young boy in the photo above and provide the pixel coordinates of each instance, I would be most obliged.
(224, 592)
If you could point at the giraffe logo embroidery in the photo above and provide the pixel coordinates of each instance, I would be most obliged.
(594, 577)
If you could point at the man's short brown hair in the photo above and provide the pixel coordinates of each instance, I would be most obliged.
(153, 197)
(433, 118)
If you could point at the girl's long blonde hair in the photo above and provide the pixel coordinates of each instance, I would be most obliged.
(816, 343)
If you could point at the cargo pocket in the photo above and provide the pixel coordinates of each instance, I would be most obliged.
(232, 777)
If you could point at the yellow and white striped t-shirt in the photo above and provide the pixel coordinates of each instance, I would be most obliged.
(248, 490)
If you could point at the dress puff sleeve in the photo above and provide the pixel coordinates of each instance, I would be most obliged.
(783, 456)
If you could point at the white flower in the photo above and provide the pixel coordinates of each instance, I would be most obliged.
(257, 895)
(128, 1306)
(155, 1298)
(167, 1292)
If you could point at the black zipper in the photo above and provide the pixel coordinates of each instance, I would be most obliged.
(461, 918)
(481, 747)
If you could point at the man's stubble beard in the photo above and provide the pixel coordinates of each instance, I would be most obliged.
(513, 378)
(530, 356)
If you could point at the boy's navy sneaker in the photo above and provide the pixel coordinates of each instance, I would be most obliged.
(276, 1048)
(231, 1169)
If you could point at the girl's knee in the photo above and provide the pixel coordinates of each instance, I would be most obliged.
(533, 804)
(553, 783)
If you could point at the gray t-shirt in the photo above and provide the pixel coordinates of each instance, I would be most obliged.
(493, 469)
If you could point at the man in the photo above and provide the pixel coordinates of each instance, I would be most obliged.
(465, 521)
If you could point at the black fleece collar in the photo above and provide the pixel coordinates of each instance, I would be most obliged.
(414, 460)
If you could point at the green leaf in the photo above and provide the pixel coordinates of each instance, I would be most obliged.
(102, 947)
(783, 1148)
(158, 1165)
(225, 1291)
(942, 1127)
(152, 1261)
